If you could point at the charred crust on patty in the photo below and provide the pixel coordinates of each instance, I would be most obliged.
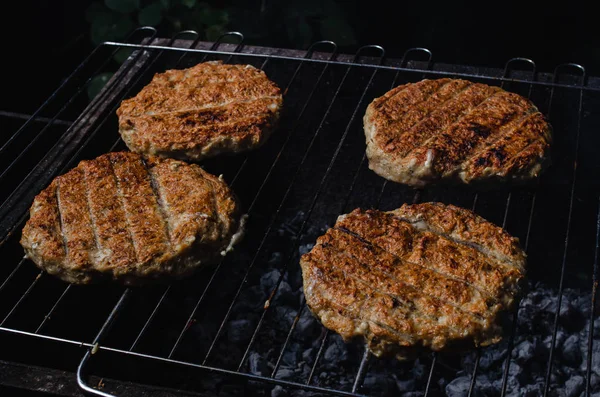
(424, 276)
(131, 219)
(454, 131)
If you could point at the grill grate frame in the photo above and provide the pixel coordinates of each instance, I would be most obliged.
(79, 138)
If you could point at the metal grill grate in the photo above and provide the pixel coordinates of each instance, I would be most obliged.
(238, 323)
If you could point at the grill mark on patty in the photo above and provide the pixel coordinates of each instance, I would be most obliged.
(160, 205)
(192, 217)
(375, 330)
(373, 303)
(506, 131)
(87, 192)
(121, 199)
(40, 236)
(158, 119)
(208, 107)
(182, 134)
(75, 220)
(343, 274)
(464, 225)
(407, 88)
(192, 97)
(518, 156)
(117, 250)
(214, 74)
(61, 227)
(383, 226)
(435, 134)
(434, 107)
(108, 204)
(355, 318)
(145, 221)
(409, 299)
(400, 90)
(200, 76)
(480, 288)
(213, 70)
(416, 311)
(439, 119)
(356, 310)
(484, 123)
(133, 108)
(376, 266)
(469, 244)
(411, 105)
(166, 211)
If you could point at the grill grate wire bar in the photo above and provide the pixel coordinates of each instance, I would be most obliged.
(46, 164)
(315, 198)
(42, 273)
(365, 65)
(277, 212)
(507, 69)
(569, 219)
(588, 385)
(256, 196)
(172, 41)
(363, 368)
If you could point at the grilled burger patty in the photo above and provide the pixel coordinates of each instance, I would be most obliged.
(200, 112)
(424, 275)
(131, 219)
(451, 130)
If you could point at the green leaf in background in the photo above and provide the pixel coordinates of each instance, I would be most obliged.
(337, 29)
(175, 22)
(121, 55)
(213, 32)
(123, 6)
(96, 10)
(210, 16)
(249, 22)
(97, 83)
(189, 3)
(151, 15)
(115, 27)
(166, 4)
(299, 31)
(100, 15)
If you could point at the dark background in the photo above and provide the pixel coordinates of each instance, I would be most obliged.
(45, 40)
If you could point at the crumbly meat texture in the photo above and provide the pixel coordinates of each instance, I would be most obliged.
(455, 131)
(200, 112)
(130, 219)
(424, 276)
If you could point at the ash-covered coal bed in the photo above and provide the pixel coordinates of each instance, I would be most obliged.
(339, 362)
(388, 377)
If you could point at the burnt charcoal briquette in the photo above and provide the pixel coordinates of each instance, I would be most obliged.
(257, 364)
(574, 386)
(571, 351)
(459, 387)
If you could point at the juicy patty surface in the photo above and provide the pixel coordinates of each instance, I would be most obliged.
(451, 130)
(200, 112)
(130, 219)
(422, 276)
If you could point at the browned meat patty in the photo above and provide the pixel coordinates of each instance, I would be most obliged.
(451, 130)
(423, 276)
(200, 112)
(131, 219)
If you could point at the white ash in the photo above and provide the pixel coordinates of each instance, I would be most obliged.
(529, 358)
(339, 361)
(388, 377)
